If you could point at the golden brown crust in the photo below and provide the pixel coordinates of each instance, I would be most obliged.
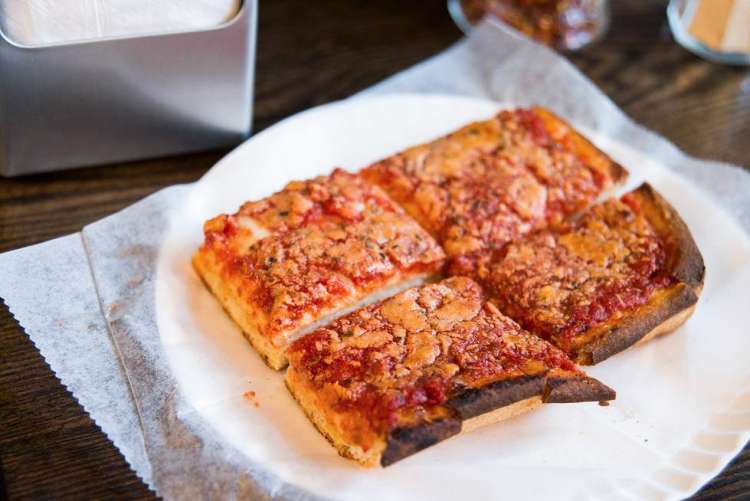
(420, 362)
(583, 147)
(236, 309)
(595, 288)
(491, 182)
(315, 248)
(310, 403)
(666, 310)
(619, 335)
(686, 260)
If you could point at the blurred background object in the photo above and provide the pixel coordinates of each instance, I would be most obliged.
(562, 24)
(120, 94)
(717, 30)
(42, 22)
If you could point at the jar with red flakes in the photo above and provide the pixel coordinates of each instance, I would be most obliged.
(561, 24)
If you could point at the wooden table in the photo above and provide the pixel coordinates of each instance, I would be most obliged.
(311, 53)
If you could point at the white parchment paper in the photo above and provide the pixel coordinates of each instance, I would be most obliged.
(87, 300)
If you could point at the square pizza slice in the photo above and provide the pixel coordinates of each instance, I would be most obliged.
(491, 182)
(285, 265)
(626, 271)
(393, 378)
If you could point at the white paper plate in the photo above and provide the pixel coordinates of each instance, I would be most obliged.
(682, 408)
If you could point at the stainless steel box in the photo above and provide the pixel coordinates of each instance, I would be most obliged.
(112, 100)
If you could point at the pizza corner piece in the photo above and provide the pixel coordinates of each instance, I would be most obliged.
(491, 182)
(625, 272)
(393, 378)
(289, 263)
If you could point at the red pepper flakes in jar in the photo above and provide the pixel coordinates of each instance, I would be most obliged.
(562, 24)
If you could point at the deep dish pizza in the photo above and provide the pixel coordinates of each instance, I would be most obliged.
(284, 265)
(491, 182)
(627, 270)
(393, 378)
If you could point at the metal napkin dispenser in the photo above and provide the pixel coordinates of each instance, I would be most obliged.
(119, 99)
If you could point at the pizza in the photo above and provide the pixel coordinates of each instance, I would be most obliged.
(338, 276)
(491, 182)
(627, 270)
(395, 377)
(287, 264)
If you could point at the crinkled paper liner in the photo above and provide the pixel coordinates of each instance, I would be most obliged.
(87, 300)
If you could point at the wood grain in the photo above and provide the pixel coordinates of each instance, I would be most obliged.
(311, 53)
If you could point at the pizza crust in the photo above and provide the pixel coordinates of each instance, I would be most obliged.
(513, 397)
(667, 309)
(237, 309)
(314, 410)
(501, 414)
(687, 261)
(582, 146)
(668, 326)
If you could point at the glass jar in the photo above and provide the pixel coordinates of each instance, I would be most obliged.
(561, 24)
(707, 31)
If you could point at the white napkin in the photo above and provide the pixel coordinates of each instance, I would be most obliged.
(43, 22)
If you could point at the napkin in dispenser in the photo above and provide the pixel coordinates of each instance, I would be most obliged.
(89, 82)
(42, 22)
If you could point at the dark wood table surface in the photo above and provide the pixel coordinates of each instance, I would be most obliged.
(311, 53)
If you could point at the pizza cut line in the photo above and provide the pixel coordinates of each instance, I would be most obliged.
(626, 271)
(491, 182)
(284, 265)
(393, 378)
(336, 276)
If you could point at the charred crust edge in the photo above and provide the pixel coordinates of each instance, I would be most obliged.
(476, 401)
(472, 402)
(576, 389)
(687, 262)
(553, 389)
(405, 441)
(637, 325)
